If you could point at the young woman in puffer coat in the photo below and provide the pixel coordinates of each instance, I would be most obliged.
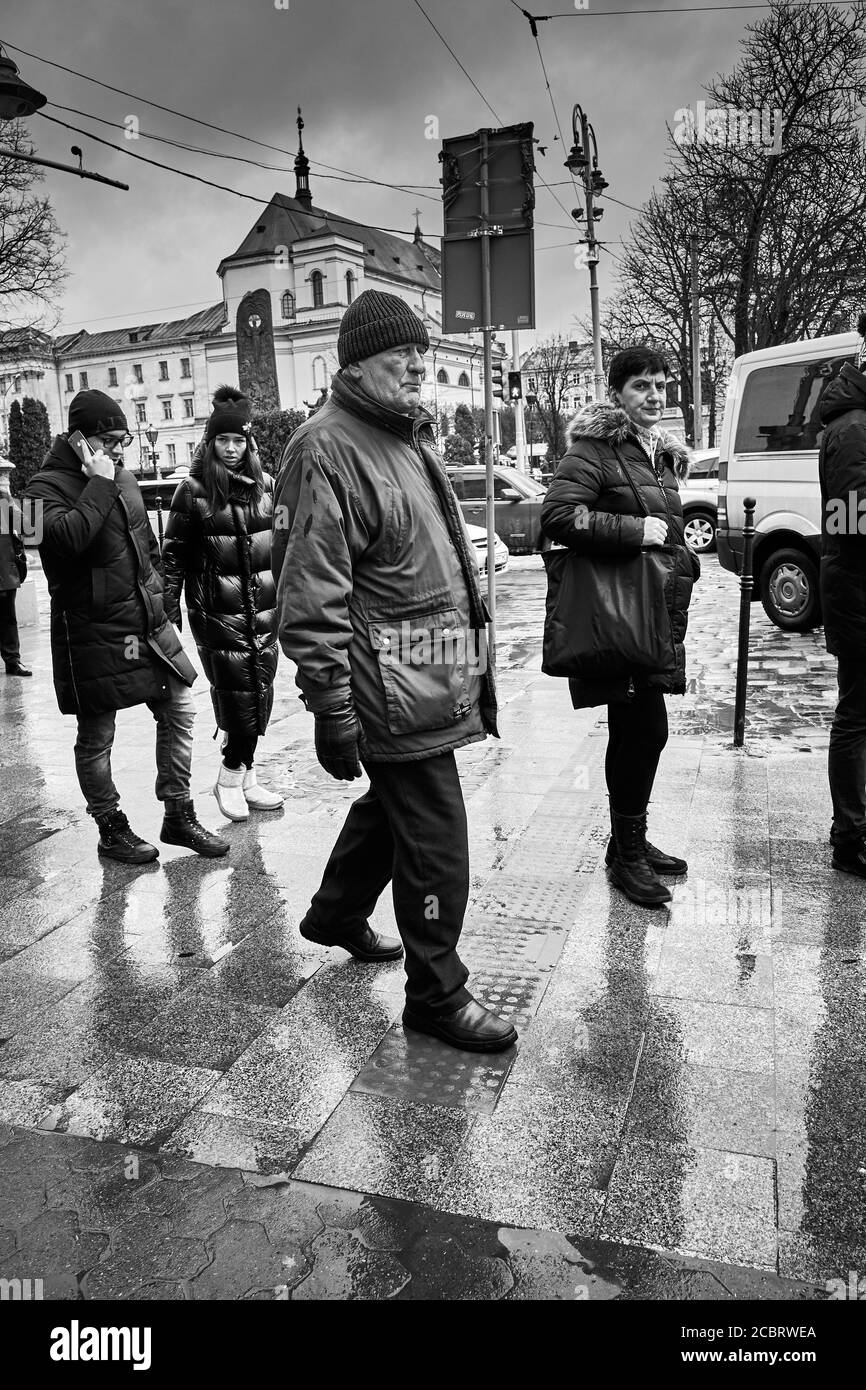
(591, 508)
(218, 544)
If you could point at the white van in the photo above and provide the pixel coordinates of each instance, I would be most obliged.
(769, 451)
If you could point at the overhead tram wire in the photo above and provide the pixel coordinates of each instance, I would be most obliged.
(196, 120)
(458, 62)
(210, 183)
(666, 9)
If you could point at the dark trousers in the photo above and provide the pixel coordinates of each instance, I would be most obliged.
(846, 762)
(9, 648)
(408, 829)
(239, 748)
(637, 733)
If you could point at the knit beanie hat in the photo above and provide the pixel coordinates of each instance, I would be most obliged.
(375, 322)
(231, 413)
(94, 413)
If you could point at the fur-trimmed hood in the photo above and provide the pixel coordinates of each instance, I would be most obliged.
(602, 420)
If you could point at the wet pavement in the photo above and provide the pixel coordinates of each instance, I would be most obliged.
(196, 1103)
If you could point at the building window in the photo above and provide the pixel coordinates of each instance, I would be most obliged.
(82, 381)
(188, 408)
(137, 372)
(350, 287)
(184, 367)
(163, 371)
(442, 377)
(287, 305)
(463, 380)
(69, 382)
(166, 410)
(318, 289)
(320, 373)
(140, 412)
(16, 384)
(112, 376)
(190, 450)
(172, 454)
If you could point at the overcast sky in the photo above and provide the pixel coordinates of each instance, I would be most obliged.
(368, 75)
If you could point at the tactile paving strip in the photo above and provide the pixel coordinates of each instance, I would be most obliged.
(410, 1066)
(530, 898)
(512, 995)
(502, 942)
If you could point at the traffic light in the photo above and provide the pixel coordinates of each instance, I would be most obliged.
(515, 386)
(496, 378)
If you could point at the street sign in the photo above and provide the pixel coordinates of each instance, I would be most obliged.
(506, 227)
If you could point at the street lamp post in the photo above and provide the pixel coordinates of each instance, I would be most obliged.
(594, 184)
(152, 435)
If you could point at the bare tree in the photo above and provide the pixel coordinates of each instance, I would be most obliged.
(31, 243)
(551, 365)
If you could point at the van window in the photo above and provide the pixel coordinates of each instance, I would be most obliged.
(779, 412)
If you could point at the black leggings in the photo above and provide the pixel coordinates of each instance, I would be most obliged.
(637, 733)
(239, 748)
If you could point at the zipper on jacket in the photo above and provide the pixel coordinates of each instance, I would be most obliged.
(71, 668)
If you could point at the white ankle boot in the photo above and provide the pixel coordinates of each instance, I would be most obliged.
(258, 797)
(230, 794)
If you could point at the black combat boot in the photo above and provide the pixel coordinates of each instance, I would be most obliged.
(180, 827)
(658, 861)
(630, 870)
(118, 841)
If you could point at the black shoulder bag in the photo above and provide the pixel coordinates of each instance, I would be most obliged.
(607, 615)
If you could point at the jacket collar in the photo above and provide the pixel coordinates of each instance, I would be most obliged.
(411, 428)
(602, 420)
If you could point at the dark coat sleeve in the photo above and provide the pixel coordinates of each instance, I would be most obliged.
(845, 474)
(318, 531)
(67, 529)
(570, 513)
(177, 548)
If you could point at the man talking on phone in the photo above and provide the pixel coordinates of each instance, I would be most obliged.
(112, 645)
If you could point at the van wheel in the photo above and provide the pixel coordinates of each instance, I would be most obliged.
(789, 591)
(700, 532)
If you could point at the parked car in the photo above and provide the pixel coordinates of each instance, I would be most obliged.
(517, 505)
(699, 495)
(478, 537)
(769, 451)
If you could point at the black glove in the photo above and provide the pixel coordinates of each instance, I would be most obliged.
(338, 737)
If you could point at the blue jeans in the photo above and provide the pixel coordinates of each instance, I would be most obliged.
(174, 715)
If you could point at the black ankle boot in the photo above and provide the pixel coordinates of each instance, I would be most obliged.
(180, 827)
(118, 841)
(630, 870)
(658, 860)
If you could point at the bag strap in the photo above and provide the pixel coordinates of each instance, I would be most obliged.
(630, 480)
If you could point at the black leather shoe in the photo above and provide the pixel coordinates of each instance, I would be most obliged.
(18, 670)
(472, 1028)
(117, 840)
(181, 827)
(362, 942)
(659, 862)
(850, 857)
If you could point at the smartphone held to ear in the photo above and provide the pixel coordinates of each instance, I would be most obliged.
(78, 442)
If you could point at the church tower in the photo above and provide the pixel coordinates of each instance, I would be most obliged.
(302, 170)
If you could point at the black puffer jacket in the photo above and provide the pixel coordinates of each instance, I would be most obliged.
(101, 561)
(224, 561)
(842, 471)
(590, 478)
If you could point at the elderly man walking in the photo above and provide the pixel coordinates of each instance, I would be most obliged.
(379, 606)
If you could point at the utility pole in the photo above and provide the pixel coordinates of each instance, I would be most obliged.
(485, 232)
(697, 403)
(594, 183)
(519, 425)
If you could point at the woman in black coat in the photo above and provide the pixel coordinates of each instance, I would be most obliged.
(218, 543)
(591, 508)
